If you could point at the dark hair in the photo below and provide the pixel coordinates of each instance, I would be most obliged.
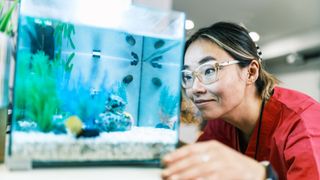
(235, 40)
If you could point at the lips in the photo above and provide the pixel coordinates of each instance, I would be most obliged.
(202, 101)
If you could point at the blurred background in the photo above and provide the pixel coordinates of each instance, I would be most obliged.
(289, 34)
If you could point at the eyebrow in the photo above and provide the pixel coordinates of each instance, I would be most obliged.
(202, 61)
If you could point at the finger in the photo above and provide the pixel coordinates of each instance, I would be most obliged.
(185, 164)
(205, 166)
(184, 152)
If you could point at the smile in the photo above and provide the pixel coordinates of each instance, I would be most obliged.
(202, 101)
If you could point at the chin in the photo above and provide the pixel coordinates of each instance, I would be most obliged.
(209, 115)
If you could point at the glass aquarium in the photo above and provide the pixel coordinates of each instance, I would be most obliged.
(95, 84)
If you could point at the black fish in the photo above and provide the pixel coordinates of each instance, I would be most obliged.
(156, 65)
(158, 44)
(127, 79)
(156, 81)
(130, 40)
(136, 57)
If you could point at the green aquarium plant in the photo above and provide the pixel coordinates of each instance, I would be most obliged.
(5, 18)
(64, 31)
(35, 94)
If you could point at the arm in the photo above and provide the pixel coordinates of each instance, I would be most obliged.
(302, 152)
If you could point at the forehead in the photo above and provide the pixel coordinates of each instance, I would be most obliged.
(201, 49)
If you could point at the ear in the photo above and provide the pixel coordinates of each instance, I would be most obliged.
(253, 72)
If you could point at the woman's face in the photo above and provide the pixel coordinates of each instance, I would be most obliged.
(218, 99)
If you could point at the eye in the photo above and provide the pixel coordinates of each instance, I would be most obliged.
(209, 71)
(187, 77)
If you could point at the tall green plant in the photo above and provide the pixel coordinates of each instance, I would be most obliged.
(5, 24)
(35, 93)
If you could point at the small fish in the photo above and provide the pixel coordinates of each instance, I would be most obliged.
(130, 40)
(156, 65)
(134, 63)
(136, 59)
(127, 79)
(134, 55)
(74, 125)
(159, 44)
(156, 81)
(156, 58)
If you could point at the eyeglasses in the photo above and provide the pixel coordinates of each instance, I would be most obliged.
(206, 73)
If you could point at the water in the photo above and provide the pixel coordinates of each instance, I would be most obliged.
(110, 86)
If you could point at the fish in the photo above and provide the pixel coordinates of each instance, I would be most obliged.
(130, 40)
(127, 79)
(156, 81)
(159, 44)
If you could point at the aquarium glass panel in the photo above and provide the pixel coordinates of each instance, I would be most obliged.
(95, 84)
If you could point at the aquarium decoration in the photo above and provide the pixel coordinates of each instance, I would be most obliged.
(168, 104)
(115, 118)
(41, 36)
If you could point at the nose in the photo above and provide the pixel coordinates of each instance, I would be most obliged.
(198, 87)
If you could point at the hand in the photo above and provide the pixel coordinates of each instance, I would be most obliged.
(210, 160)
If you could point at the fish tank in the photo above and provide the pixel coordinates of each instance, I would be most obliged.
(95, 84)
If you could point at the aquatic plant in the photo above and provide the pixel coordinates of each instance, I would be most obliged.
(35, 90)
(168, 105)
(83, 100)
(21, 84)
(119, 89)
(64, 31)
(5, 24)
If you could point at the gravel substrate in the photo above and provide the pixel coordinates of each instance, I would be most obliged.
(140, 143)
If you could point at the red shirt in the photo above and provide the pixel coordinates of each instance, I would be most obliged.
(289, 135)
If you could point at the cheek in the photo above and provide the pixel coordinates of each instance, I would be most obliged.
(229, 91)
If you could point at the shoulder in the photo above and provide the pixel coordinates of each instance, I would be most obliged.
(298, 115)
(294, 101)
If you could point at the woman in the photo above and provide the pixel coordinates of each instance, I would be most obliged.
(251, 120)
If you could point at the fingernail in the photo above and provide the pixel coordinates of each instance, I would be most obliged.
(165, 173)
(174, 177)
(167, 158)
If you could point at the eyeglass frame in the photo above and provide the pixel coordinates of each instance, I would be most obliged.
(217, 66)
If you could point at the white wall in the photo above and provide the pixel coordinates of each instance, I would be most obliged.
(304, 78)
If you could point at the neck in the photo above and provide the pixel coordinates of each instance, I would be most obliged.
(246, 115)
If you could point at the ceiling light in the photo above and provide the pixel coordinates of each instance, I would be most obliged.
(189, 24)
(254, 36)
